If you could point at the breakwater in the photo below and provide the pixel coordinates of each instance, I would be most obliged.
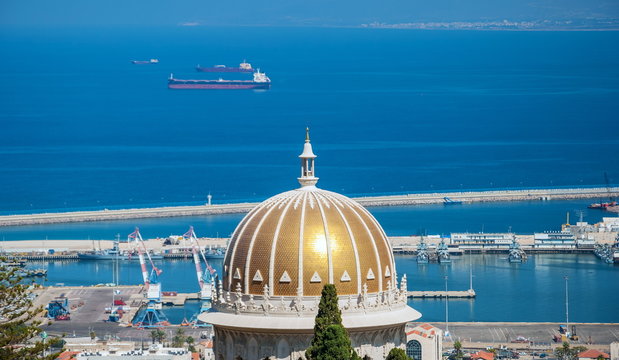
(369, 201)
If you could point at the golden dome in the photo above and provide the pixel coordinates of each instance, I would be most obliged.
(300, 240)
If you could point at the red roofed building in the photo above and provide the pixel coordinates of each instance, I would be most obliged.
(67, 355)
(482, 355)
(424, 342)
(592, 354)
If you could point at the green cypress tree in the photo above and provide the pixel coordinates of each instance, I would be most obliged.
(331, 341)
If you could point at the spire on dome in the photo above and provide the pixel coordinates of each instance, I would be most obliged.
(307, 163)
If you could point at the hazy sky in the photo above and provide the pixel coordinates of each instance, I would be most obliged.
(291, 12)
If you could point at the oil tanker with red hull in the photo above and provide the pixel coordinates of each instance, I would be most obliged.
(244, 67)
(260, 81)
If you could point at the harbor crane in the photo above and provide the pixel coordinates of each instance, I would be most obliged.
(151, 316)
(205, 278)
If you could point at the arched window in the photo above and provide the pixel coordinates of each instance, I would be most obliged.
(413, 349)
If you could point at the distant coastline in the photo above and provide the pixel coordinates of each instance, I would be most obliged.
(505, 25)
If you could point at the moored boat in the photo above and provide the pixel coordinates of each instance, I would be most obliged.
(602, 205)
(442, 252)
(218, 253)
(114, 254)
(422, 253)
(516, 254)
(448, 201)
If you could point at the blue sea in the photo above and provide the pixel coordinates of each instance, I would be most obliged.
(390, 111)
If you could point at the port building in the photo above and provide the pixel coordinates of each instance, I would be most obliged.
(480, 241)
(554, 240)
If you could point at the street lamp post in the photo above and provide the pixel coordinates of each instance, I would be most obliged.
(446, 309)
(567, 308)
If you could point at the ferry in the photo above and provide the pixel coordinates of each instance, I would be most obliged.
(260, 81)
(143, 62)
(243, 67)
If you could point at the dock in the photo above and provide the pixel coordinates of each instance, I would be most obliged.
(179, 299)
(466, 294)
(369, 201)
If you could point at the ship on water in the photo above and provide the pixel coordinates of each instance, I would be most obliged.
(243, 67)
(211, 253)
(442, 252)
(114, 254)
(516, 254)
(260, 81)
(143, 62)
(422, 252)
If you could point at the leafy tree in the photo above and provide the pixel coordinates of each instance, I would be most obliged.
(19, 331)
(331, 341)
(397, 354)
(93, 334)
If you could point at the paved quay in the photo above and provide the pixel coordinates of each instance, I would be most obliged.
(88, 303)
(479, 335)
(369, 201)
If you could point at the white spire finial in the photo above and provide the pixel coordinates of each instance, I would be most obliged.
(307, 163)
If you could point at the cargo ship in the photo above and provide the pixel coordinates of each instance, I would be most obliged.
(244, 67)
(260, 81)
(142, 62)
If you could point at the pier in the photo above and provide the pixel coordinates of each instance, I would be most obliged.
(465, 294)
(369, 201)
(179, 299)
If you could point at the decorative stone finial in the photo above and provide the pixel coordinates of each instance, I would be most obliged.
(221, 292)
(307, 163)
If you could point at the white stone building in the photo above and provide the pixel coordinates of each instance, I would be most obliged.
(279, 258)
(614, 350)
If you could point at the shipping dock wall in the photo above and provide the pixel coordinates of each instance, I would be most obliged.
(369, 201)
